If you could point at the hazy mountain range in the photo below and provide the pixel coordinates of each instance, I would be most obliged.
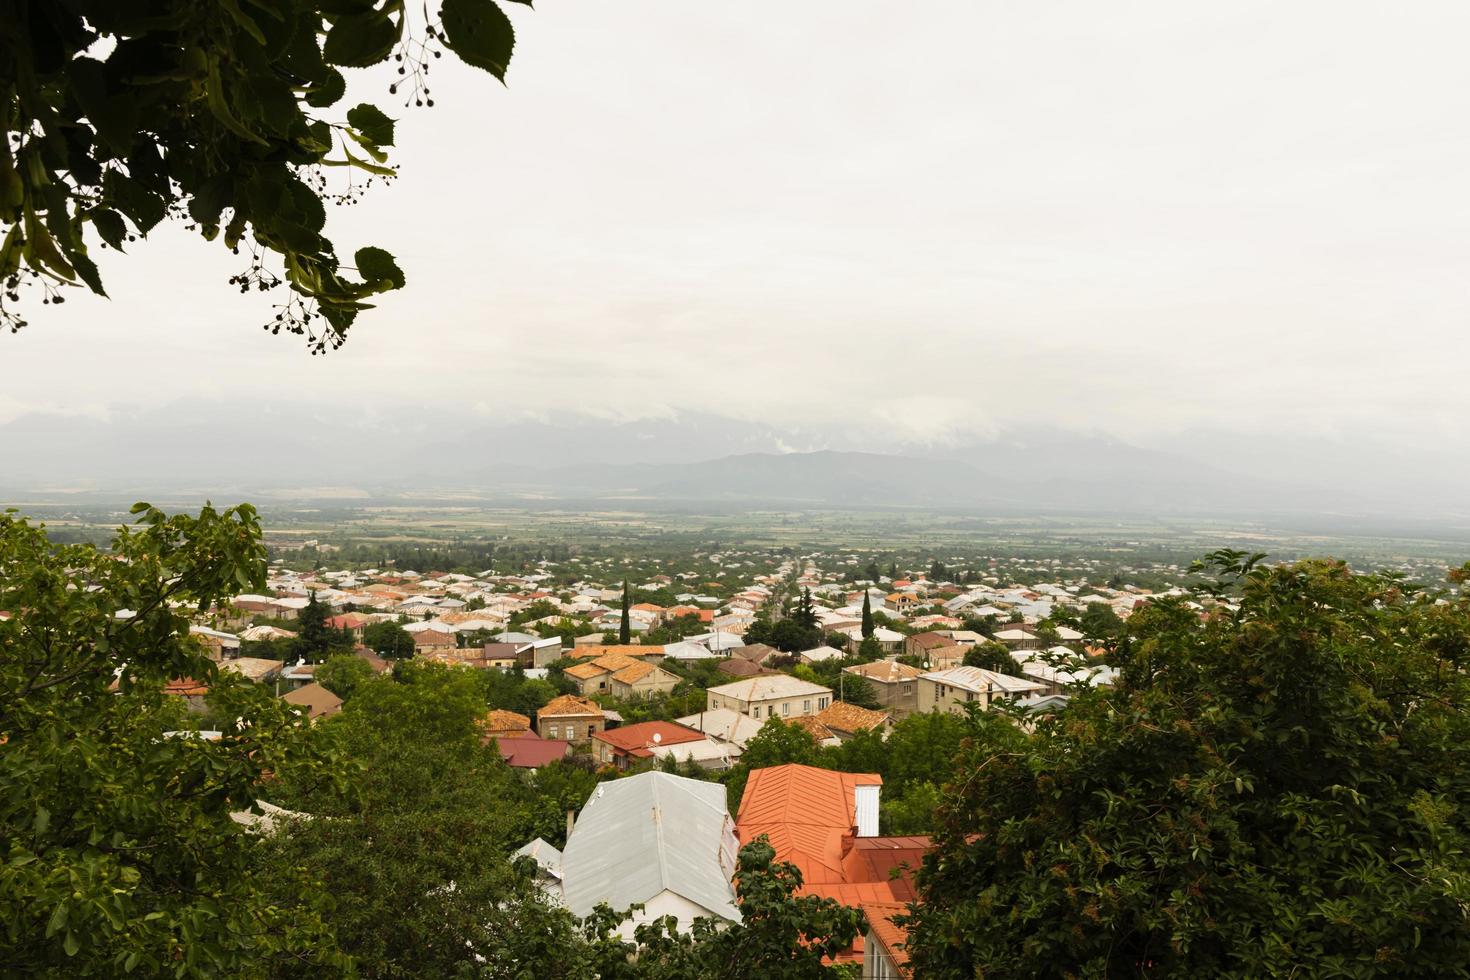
(236, 450)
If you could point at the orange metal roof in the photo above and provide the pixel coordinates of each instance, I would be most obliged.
(806, 812)
(891, 937)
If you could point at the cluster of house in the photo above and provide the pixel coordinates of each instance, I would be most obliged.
(670, 845)
(450, 606)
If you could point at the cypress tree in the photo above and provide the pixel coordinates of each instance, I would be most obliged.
(625, 629)
(867, 615)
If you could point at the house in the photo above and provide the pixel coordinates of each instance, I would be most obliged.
(845, 720)
(641, 681)
(889, 641)
(356, 623)
(548, 865)
(502, 656)
(504, 724)
(770, 695)
(727, 727)
(884, 957)
(818, 654)
(570, 717)
(951, 689)
(630, 744)
(218, 645)
(685, 651)
(740, 667)
(920, 644)
(425, 641)
(529, 752)
(900, 602)
(648, 652)
(826, 823)
(256, 669)
(664, 842)
(298, 674)
(621, 676)
(1016, 638)
(317, 700)
(896, 684)
(757, 653)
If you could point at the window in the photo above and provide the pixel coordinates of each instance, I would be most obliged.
(553, 731)
(806, 706)
(821, 703)
(591, 730)
(785, 708)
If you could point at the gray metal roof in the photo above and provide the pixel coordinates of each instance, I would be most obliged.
(544, 854)
(641, 835)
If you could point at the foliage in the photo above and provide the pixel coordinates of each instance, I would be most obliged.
(787, 634)
(223, 115)
(776, 744)
(1100, 626)
(625, 628)
(857, 690)
(343, 673)
(992, 656)
(388, 640)
(117, 849)
(1280, 790)
(414, 846)
(867, 615)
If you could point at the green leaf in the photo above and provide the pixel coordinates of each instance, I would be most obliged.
(370, 121)
(480, 33)
(232, 7)
(360, 40)
(71, 944)
(327, 91)
(43, 819)
(375, 263)
(133, 199)
(109, 225)
(58, 920)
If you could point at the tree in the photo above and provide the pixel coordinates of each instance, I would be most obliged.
(388, 640)
(869, 650)
(223, 115)
(992, 656)
(117, 848)
(857, 690)
(343, 673)
(314, 637)
(776, 744)
(625, 628)
(1278, 789)
(416, 859)
(805, 612)
(1100, 625)
(867, 615)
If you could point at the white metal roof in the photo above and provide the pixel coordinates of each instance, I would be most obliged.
(645, 834)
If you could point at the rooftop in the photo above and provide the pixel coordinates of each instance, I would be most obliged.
(769, 686)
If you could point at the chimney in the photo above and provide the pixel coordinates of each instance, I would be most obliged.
(865, 805)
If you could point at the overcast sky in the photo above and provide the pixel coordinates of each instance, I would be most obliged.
(936, 219)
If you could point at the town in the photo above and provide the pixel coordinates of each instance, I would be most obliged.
(658, 688)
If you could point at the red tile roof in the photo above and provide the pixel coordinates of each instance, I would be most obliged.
(568, 704)
(532, 753)
(634, 739)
